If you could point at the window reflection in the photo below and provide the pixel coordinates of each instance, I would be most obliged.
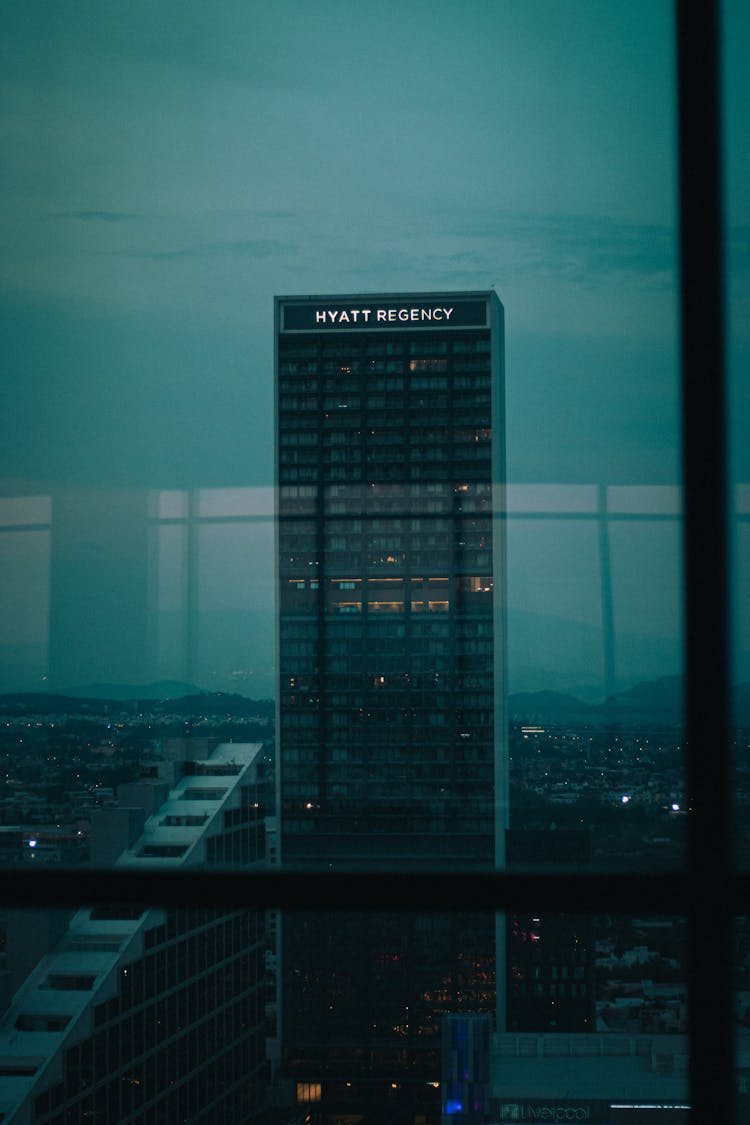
(583, 589)
(24, 592)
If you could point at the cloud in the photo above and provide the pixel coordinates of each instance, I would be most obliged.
(242, 248)
(100, 216)
(577, 248)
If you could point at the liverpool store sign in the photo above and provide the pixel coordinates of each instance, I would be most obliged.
(553, 1111)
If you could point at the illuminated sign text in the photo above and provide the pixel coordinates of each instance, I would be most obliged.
(368, 315)
(351, 316)
(528, 1111)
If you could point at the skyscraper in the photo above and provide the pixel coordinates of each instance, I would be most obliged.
(391, 583)
(391, 744)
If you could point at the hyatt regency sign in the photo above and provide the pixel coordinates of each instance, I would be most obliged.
(386, 314)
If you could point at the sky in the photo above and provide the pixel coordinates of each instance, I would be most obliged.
(168, 168)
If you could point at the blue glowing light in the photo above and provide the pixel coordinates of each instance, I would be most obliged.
(452, 1106)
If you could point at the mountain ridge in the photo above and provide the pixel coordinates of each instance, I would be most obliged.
(659, 700)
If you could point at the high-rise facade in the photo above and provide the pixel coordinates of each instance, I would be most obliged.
(148, 1015)
(391, 583)
(391, 745)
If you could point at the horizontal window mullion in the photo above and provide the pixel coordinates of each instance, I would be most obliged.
(362, 890)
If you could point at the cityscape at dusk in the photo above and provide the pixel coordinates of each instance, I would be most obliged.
(345, 533)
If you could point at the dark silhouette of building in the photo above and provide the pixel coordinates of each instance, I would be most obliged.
(391, 473)
(391, 744)
(136, 1014)
(551, 957)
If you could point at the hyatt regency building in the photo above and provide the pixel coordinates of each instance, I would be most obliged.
(391, 579)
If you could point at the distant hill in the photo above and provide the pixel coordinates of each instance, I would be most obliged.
(38, 702)
(162, 689)
(217, 704)
(549, 706)
(660, 702)
(654, 701)
(663, 695)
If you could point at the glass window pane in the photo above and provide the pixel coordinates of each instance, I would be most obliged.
(736, 38)
(148, 326)
(459, 645)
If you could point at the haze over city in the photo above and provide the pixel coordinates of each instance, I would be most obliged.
(168, 172)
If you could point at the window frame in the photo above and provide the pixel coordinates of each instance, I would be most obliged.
(709, 890)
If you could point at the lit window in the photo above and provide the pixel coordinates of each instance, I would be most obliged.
(308, 1092)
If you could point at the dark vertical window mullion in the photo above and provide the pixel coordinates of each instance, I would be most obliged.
(707, 650)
